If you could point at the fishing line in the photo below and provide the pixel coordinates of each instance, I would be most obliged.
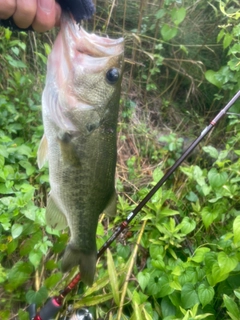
(54, 304)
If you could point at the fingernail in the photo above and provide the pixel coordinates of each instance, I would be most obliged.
(46, 5)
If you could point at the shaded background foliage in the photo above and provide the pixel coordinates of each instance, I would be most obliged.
(180, 257)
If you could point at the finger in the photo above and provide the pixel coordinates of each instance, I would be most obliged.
(58, 12)
(7, 8)
(45, 16)
(25, 13)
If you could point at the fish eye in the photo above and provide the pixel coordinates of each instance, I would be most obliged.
(112, 76)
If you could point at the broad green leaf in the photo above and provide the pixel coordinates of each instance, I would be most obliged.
(166, 212)
(168, 32)
(227, 263)
(23, 315)
(205, 294)
(35, 258)
(19, 274)
(167, 308)
(37, 297)
(143, 279)
(217, 179)
(208, 216)
(213, 152)
(217, 275)
(199, 254)
(160, 13)
(113, 277)
(16, 230)
(51, 281)
(12, 246)
(228, 37)
(157, 174)
(232, 307)
(5, 189)
(187, 225)
(178, 15)
(189, 296)
(220, 35)
(210, 75)
(236, 229)
(164, 286)
(3, 154)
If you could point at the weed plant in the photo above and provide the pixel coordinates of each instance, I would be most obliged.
(179, 259)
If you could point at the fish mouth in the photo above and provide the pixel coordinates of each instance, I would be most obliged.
(89, 44)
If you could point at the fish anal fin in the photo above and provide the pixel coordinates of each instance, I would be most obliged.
(42, 154)
(54, 216)
(110, 209)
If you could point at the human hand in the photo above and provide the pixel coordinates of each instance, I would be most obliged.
(41, 15)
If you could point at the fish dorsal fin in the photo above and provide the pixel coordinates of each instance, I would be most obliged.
(110, 209)
(42, 154)
(54, 216)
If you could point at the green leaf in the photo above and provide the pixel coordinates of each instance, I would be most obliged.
(164, 286)
(237, 293)
(227, 40)
(213, 152)
(189, 296)
(205, 294)
(167, 212)
(168, 32)
(23, 315)
(93, 300)
(236, 229)
(51, 281)
(137, 312)
(232, 307)
(187, 225)
(143, 279)
(199, 254)
(178, 15)
(16, 230)
(217, 275)
(113, 277)
(35, 258)
(160, 13)
(37, 297)
(227, 263)
(208, 216)
(217, 179)
(210, 75)
(19, 274)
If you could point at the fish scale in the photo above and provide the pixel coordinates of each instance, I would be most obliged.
(80, 109)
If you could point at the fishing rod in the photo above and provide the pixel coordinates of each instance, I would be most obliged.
(54, 304)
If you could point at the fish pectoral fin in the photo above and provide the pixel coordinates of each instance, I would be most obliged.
(42, 154)
(111, 207)
(54, 216)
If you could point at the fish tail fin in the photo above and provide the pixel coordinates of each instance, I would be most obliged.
(87, 262)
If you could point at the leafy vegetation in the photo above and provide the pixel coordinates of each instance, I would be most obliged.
(179, 259)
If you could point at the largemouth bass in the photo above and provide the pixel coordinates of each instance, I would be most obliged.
(80, 108)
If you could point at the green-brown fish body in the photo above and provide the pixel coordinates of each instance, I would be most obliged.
(80, 110)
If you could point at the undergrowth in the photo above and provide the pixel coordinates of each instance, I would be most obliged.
(179, 259)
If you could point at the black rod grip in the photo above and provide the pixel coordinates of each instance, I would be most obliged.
(50, 309)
